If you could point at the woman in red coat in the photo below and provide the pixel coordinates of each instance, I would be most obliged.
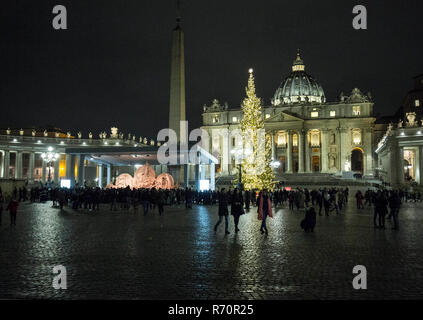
(264, 210)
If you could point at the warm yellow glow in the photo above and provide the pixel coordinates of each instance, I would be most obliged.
(295, 140)
(356, 136)
(298, 67)
(356, 110)
(314, 114)
(281, 139)
(62, 168)
(333, 113)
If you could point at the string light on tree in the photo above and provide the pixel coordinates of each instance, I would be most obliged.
(256, 171)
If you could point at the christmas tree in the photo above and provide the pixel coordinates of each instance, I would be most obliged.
(257, 152)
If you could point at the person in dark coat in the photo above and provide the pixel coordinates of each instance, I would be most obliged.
(381, 209)
(13, 209)
(237, 207)
(247, 200)
(394, 205)
(223, 210)
(309, 222)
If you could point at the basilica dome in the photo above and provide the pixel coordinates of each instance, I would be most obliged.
(298, 87)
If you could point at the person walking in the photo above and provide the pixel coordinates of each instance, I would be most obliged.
(380, 209)
(13, 209)
(223, 210)
(160, 201)
(264, 210)
(237, 207)
(394, 205)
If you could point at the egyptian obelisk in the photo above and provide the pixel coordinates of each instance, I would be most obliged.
(177, 79)
(177, 98)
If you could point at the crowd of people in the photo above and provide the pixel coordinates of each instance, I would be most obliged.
(317, 201)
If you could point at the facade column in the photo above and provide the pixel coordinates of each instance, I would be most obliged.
(368, 156)
(56, 171)
(400, 175)
(307, 153)
(289, 153)
(226, 152)
(272, 134)
(31, 166)
(343, 148)
(109, 174)
(212, 177)
(6, 165)
(324, 151)
(44, 172)
(301, 151)
(81, 170)
(100, 175)
(18, 165)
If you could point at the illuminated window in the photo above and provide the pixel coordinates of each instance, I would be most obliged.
(314, 114)
(215, 119)
(333, 113)
(281, 139)
(234, 119)
(315, 138)
(417, 103)
(267, 115)
(356, 136)
(356, 110)
(295, 140)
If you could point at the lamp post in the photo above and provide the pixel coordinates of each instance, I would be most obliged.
(49, 157)
(238, 156)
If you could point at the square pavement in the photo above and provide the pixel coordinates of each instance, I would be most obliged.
(126, 255)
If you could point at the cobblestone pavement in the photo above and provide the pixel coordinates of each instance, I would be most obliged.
(126, 255)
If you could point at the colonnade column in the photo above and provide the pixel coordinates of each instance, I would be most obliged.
(68, 166)
(272, 135)
(6, 165)
(72, 170)
(109, 174)
(301, 151)
(44, 172)
(289, 153)
(31, 166)
(18, 165)
(81, 170)
(324, 152)
(56, 170)
(100, 175)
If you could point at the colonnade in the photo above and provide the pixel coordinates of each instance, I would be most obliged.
(72, 161)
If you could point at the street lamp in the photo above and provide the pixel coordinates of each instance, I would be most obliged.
(49, 157)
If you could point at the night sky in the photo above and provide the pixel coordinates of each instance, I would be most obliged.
(112, 66)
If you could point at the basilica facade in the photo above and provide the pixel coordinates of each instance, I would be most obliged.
(308, 133)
